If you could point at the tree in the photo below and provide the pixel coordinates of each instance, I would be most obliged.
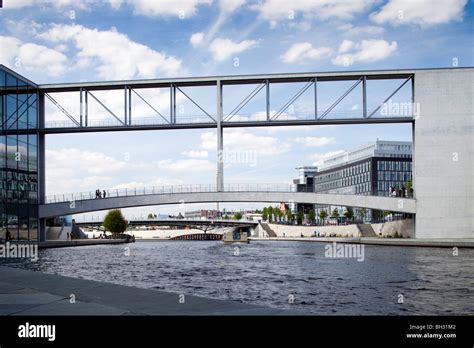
(299, 217)
(151, 216)
(270, 214)
(323, 214)
(349, 214)
(311, 216)
(409, 184)
(115, 222)
(335, 213)
(279, 214)
(265, 214)
(289, 216)
(237, 216)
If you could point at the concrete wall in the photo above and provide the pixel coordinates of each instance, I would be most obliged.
(308, 231)
(443, 155)
(404, 227)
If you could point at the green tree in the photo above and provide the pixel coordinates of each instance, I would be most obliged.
(299, 217)
(151, 216)
(335, 213)
(279, 214)
(323, 214)
(311, 216)
(265, 214)
(115, 222)
(289, 216)
(270, 214)
(237, 216)
(409, 184)
(349, 213)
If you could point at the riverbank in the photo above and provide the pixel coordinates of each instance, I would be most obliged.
(25, 292)
(441, 243)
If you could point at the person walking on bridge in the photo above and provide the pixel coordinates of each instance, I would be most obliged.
(104, 194)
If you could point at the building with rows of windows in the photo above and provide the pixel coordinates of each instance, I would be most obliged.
(369, 170)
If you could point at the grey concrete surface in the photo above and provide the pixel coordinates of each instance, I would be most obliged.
(397, 204)
(431, 243)
(444, 153)
(34, 293)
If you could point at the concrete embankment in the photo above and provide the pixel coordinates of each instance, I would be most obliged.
(77, 242)
(395, 233)
(35, 293)
(400, 228)
(433, 243)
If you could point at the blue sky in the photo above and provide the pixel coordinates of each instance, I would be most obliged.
(66, 40)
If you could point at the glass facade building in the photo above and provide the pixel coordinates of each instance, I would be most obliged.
(18, 157)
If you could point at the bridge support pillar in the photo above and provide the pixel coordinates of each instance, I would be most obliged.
(220, 140)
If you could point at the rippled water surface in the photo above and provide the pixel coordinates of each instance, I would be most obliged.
(431, 280)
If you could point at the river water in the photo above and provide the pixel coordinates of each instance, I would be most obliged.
(292, 275)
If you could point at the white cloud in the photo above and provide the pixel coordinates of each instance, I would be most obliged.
(365, 52)
(345, 46)
(230, 5)
(314, 141)
(114, 54)
(157, 182)
(187, 165)
(352, 30)
(154, 8)
(318, 158)
(278, 10)
(420, 12)
(79, 169)
(196, 39)
(31, 57)
(304, 50)
(246, 141)
(225, 48)
(115, 4)
(195, 154)
(18, 4)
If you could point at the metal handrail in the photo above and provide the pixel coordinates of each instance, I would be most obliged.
(180, 189)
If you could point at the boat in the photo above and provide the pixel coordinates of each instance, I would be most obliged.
(235, 237)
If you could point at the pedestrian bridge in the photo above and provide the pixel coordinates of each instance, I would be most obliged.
(84, 202)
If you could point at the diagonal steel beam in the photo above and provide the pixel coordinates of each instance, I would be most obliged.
(390, 96)
(292, 99)
(62, 109)
(341, 98)
(192, 101)
(147, 103)
(245, 101)
(105, 107)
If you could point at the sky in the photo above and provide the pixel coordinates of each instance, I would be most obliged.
(70, 40)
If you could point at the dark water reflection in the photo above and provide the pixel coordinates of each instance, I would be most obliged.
(431, 280)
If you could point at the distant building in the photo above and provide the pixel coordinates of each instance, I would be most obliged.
(371, 169)
(368, 170)
(201, 214)
(304, 183)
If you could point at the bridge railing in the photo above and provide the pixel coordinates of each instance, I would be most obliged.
(178, 189)
(171, 189)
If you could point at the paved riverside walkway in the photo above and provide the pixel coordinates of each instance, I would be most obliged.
(25, 292)
(443, 243)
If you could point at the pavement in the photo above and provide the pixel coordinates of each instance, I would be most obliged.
(25, 292)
